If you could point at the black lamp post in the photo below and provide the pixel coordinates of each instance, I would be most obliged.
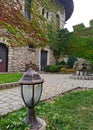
(31, 89)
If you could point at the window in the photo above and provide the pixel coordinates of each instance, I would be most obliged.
(28, 9)
(57, 22)
(47, 15)
(31, 45)
(43, 11)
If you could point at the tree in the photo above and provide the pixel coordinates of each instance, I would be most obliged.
(72, 58)
(59, 42)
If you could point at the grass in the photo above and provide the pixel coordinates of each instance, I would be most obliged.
(7, 78)
(73, 111)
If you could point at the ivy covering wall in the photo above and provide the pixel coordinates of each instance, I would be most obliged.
(18, 30)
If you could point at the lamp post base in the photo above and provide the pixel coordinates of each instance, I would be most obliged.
(42, 123)
(31, 119)
(36, 123)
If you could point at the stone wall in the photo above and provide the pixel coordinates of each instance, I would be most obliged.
(53, 15)
(52, 60)
(62, 20)
(50, 14)
(18, 57)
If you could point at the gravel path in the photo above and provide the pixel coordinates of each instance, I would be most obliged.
(55, 84)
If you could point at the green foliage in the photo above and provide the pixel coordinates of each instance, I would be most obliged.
(72, 58)
(52, 68)
(14, 121)
(53, 39)
(79, 42)
(79, 27)
(63, 38)
(91, 23)
(34, 30)
(62, 62)
(67, 70)
(59, 42)
(52, 6)
(47, 68)
(11, 29)
(81, 46)
(16, 37)
(7, 78)
(63, 68)
(73, 111)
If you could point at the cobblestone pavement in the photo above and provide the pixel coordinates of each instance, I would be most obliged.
(55, 84)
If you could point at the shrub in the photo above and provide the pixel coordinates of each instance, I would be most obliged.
(63, 70)
(52, 68)
(67, 71)
(47, 68)
(59, 68)
(62, 62)
(71, 60)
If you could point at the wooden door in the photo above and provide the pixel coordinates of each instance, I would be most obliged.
(43, 59)
(3, 58)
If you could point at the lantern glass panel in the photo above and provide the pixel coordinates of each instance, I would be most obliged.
(37, 93)
(27, 94)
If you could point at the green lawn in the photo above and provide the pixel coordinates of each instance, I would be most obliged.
(73, 111)
(12, 77)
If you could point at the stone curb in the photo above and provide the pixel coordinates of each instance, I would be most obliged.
(9, 85)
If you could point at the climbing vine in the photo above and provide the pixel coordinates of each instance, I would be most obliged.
(21, 31)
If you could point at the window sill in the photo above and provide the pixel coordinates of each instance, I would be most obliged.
(32, 49)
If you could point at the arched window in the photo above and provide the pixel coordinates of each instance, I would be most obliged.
(57, 22)
(28, 9)
(43, 11)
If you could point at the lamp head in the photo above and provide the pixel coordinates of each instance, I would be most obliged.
(31, 87)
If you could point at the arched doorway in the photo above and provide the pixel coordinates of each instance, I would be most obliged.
(3, 58)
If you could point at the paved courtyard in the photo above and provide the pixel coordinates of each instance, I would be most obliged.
(55, 84)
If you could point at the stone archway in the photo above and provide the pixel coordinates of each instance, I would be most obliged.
(3, 58)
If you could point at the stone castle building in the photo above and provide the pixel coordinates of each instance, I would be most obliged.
(16, 59)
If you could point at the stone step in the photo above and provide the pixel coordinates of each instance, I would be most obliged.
(9, 85)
